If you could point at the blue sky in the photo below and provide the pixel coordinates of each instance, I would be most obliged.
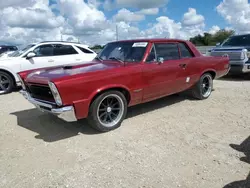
(207, 8)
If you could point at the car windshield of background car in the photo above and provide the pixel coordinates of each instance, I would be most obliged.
(20, 52)
(241, 40)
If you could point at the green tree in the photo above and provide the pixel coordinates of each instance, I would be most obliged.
(222, 35)
(210, 40)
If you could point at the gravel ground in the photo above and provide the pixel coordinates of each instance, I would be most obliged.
(171, 142)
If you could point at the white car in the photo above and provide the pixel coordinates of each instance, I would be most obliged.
(40, 55)
(6, 54)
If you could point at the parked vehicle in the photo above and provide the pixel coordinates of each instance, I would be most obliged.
(6, 48)
(40, 55)
(237, 47)
(6, 54)
(125, 73)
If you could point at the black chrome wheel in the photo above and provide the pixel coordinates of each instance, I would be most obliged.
(206, 85)
(203, 88)
(110, 110)
(107, 111)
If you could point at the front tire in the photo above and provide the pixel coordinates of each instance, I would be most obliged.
(107, 111)
(203, 88)
(7, 83)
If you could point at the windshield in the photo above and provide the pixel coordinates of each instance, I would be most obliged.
(123, 51)
(20, 52)
(241, 40)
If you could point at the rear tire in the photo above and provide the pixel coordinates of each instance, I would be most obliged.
(7, 84)
(203, 88)
(107, 111)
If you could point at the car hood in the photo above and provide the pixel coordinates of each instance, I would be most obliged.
(42, 76)
(5, 58)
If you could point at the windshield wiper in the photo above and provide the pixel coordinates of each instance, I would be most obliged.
(117, 59)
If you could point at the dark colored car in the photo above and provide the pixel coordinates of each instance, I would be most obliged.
(5, 48)
(237, 48)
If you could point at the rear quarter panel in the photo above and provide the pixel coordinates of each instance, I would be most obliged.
(202, 64)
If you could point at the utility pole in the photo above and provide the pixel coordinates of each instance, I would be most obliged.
(61, 37)
(116, 32)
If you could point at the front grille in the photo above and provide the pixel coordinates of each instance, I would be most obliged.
(232, 55)
(41, 92)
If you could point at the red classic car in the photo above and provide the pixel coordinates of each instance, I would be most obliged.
(124, 73)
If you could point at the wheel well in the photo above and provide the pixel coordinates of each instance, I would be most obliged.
(122, 90)
(9, 73)
(212, 73)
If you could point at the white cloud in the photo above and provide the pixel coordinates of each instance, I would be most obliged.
(16, 3)
(192, 24)
(165, 27)
(142, 4)
(39, 15)
(191, 18)
(214, 29)
(149, 11)
(31, 18)
(236, 13)
(82, 17)
(22, 36)
(128, 16)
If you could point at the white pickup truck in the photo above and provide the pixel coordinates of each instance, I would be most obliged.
(40, 55)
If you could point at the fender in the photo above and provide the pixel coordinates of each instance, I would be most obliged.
(14, 74)
(107, 87)
(208, 70)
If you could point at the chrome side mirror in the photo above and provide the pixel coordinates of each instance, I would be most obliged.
(160, 60)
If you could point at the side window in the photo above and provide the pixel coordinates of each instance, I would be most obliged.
(64, 50)
(86, 51)
(152, 55)
(168, 51)
(185, 52)
(44, 50)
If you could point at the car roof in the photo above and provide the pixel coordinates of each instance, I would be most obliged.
(240, 35)
(152, 40)
(64, 42)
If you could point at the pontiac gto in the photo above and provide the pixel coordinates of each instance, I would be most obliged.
(124, 73)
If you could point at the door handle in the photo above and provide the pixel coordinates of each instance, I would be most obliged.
(78, 59)
(50, 60)
(183, 65)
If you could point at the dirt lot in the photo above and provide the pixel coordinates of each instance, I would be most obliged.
(172, 142)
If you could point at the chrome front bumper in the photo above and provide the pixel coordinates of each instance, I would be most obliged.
(66, 113)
